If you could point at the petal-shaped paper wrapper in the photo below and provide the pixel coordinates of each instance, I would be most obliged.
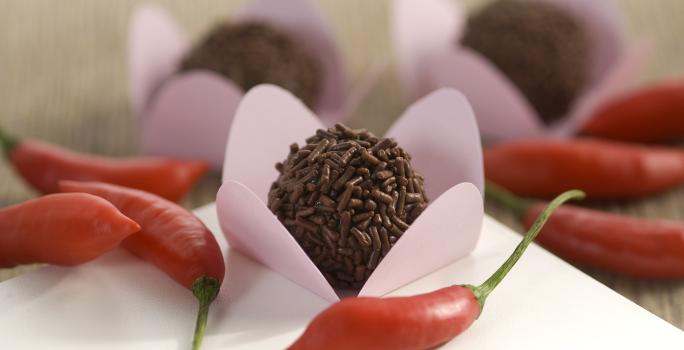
(190, 117)
(502, 111)
(440, 133)
(269, 119)
(156, 45)
(421, 29)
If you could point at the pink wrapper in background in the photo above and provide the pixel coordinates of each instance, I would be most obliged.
(188, 114)
(440, 133)
(503, 112)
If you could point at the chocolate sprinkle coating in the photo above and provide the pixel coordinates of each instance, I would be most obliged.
(347, 196)
(540, 47)
(253, 53)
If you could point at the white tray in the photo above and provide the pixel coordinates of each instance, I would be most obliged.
(119, 302)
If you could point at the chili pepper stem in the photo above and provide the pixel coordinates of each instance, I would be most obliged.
(482, 291)
(205, 290)
(508, 199)
(7, 141)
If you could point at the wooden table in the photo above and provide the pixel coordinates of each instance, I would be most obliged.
(63, 79)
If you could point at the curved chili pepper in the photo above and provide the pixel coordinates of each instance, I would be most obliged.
(631, 246)
(43, 165)
(603, 169)
(61, 229)
(652, 114)
(172, 238)
(411, 323)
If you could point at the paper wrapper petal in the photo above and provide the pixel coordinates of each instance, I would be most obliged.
(502, 111)
(267, 122)
(440, 133)
(155, 45)
(190, 117)
(446, 231)
(421, 29)
(254, 231)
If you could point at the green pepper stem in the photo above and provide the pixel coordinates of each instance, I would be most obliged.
(482, 291)
(7, 142)
(205, 290)
(508, 199)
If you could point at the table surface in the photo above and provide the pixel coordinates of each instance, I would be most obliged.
(63, 79)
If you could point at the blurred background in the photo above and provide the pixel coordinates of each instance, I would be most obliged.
(63, 78)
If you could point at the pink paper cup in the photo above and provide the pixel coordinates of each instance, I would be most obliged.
(188, 114)
(440, 133)
(426, 35)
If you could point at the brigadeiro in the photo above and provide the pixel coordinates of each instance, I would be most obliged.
(347, 196)
(252, 53)
(542, 48)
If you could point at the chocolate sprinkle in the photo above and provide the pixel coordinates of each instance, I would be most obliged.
(543, 49)
(347, 196)
(253, 53)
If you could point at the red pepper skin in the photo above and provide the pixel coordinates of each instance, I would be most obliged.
(61, 229)
(43, 165)
(172, 238)
(400, 323)
(616, 243)
(417, 322)
(603, 169)
(653, 114)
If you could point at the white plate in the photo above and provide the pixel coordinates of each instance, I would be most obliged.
(119, 302)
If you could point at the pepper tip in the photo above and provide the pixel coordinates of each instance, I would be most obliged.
(7, 142)
(205, 290)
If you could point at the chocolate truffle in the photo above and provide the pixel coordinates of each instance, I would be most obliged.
(347, 196)
(253, 53)
(543, 49)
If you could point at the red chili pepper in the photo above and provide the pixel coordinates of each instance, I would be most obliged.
(652, 114)
(411, 323)
(616, 243)
(43, 165)
(603, 169)
(172, 238)
(61, 229)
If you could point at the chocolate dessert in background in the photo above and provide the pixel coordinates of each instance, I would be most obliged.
(253, 53)
(347, 196)
(542, 49)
